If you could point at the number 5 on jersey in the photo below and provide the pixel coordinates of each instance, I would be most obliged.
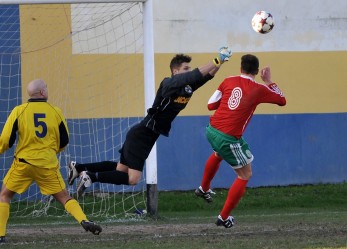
(39, 122)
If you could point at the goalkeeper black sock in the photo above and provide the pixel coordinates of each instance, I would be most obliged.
(113, 177)
(93, 176)
(96, 167)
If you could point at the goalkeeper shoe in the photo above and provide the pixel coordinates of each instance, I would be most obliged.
(84, 182)
(228, 223)
(2, 239)
(207, 196)
(91, 226)
(72, 174)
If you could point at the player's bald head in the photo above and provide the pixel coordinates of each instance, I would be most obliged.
(36, 88)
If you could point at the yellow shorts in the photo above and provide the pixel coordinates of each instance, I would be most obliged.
(21, 175)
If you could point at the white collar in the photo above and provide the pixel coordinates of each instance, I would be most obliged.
(247, 77)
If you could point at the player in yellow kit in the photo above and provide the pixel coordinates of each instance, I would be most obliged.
(42, 132)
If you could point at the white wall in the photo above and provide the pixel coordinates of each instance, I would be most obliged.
(204, 25)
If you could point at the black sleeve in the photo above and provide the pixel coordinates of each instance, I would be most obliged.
(179, 80)
(206, 78)
(64, 136)
(13, 134)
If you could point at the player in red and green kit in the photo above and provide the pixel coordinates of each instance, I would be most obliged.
(43, 133)
(235, 101)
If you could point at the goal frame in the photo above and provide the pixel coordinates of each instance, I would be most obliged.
(149, 82)
(67, 1)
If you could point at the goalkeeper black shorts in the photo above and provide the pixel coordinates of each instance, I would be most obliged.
(138, 144)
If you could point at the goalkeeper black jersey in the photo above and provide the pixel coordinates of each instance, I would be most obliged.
(172, 97)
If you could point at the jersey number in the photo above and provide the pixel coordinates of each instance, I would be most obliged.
(235, 98)
(40, 123)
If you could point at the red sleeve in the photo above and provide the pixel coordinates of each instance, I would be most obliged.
(272, 94)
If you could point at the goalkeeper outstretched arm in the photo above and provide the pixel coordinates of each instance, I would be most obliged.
(213, 66)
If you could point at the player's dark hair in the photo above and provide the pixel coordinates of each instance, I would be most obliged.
(250, 64)
(177, 61)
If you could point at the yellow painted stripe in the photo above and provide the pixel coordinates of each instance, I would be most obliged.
(93, 86)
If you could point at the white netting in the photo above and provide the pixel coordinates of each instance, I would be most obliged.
(91, 57)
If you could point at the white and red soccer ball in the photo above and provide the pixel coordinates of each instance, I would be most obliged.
(263, 22)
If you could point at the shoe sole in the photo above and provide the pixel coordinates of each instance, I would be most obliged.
(71, 181)
(80, 191)
(81, 187)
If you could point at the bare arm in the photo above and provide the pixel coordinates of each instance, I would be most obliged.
(275, 96)
(265, 75)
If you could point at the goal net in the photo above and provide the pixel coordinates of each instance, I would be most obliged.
(91, 57)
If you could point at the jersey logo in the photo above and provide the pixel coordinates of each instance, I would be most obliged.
(181, 100)
(235, 98)
(188, 89)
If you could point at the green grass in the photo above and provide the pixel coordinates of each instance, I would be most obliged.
(264, 200)
(313, 216)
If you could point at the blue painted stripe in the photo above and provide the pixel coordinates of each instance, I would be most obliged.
(288, 149)
(10, 74)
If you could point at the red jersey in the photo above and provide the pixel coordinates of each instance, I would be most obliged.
(235, 101)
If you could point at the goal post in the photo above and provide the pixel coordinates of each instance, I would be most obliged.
(151, 163)
(100, 124)
(66, 1)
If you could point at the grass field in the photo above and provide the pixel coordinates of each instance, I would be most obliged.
(276, 217)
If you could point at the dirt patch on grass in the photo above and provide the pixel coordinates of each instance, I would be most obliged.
(192, 235)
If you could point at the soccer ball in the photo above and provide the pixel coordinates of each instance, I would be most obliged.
(262, 22)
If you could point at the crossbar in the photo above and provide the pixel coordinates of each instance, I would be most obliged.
(65, 1)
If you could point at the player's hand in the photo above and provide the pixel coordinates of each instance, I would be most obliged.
(223, 56)
(265, 75)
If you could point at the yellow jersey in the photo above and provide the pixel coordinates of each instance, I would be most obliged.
(42, 132)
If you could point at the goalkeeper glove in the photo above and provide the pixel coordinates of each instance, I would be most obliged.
(223, 56)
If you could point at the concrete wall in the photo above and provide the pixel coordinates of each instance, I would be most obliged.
(300, 143)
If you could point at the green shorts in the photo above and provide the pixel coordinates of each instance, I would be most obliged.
(234, 151)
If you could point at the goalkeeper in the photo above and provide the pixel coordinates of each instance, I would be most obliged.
(172, 97)
(43, 133)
